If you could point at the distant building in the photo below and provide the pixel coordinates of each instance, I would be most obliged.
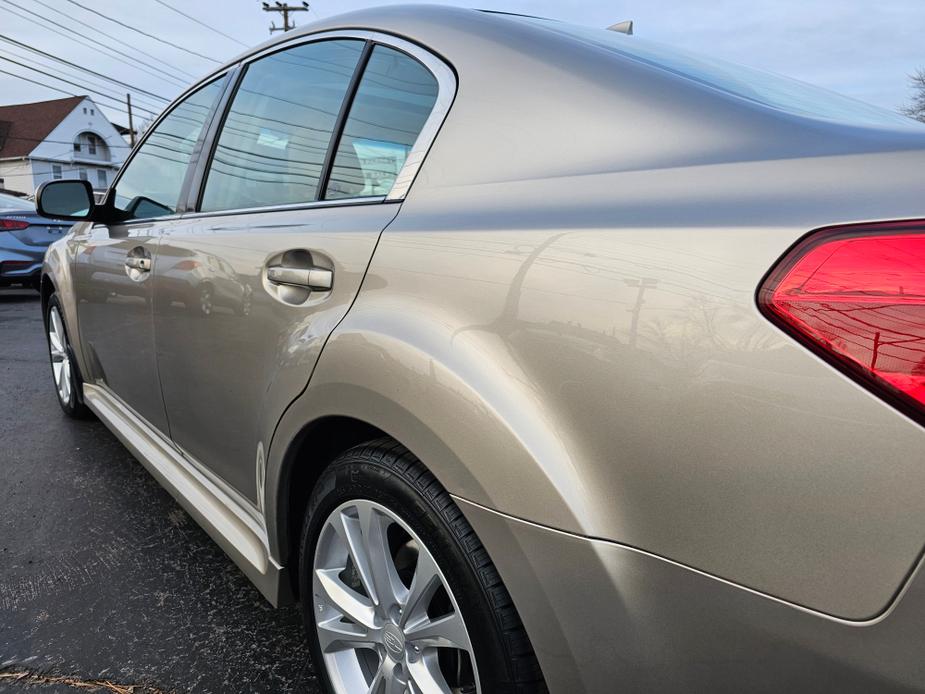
(62, 138)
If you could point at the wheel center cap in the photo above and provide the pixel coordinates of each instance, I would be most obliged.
(394, 641)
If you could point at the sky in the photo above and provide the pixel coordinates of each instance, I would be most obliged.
(862, 48)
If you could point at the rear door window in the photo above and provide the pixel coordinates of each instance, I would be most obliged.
(272, 146)
(393, 101)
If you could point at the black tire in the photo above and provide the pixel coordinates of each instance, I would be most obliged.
(387, 473)
(74, 406)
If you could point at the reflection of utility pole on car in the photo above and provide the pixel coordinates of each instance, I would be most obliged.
(643, 284)
(285, 9)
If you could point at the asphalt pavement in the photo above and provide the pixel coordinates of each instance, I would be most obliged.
(103, 577)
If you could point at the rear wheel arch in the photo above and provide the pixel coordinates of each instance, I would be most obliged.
(307, 456)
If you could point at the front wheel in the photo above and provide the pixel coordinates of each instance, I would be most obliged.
(63, 368)
(398, 593)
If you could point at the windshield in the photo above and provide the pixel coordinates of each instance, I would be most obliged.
(766, 88)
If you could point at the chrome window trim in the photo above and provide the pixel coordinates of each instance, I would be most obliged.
(446, 93)
(342, 202)
(339, 202)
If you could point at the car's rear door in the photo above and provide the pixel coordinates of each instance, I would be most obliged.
(289, 212)
(115, 261)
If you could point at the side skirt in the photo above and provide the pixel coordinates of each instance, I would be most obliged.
(236, 531)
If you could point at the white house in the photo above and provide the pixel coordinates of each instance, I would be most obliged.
(62, 138)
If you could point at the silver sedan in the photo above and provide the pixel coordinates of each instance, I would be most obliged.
(527, 356)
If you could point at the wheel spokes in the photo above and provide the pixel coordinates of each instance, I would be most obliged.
(56, 335)
(336, 635)
(425, 583)
(344, 599)
(443, 632)
(57, 367)
(377, 588)
(381, 568)
(425, 676)
(351, 533)
(65, 388)
(60, 362)
(389, 679)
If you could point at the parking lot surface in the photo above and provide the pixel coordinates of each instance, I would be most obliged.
(103, 576)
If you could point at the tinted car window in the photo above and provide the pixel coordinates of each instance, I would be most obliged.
(392, 103)
(150, 185)
(275, 137)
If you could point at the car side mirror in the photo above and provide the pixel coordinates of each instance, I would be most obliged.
(70, 200)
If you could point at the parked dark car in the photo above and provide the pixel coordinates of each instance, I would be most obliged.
(24, 236)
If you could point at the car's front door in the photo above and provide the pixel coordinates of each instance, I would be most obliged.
(115, 263)
(249, 287)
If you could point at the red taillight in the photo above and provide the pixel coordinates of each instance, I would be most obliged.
(856, 295)
(12, 224)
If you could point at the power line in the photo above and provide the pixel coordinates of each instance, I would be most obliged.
(159, 63)
(95, 44)
(48, 86)
(53, 73)
(83, 69)
(57, 89)
(73, 84)
(143, 33)
(201, 23)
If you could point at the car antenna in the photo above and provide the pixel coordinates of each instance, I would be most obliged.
(622, 27)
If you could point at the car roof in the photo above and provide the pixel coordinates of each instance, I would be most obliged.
(11, 202)
(535, 101)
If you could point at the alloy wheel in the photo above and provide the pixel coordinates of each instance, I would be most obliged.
(60, 356)
(386, 619)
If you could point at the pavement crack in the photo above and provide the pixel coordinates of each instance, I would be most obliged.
(29, 677)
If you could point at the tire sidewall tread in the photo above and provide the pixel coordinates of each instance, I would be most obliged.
(386, 472)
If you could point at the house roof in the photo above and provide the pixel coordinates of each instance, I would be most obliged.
(24, 126)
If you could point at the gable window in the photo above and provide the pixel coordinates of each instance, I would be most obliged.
(56, 171)
(94, 146)
(92, 112)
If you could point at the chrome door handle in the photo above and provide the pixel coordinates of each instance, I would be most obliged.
(315, 278)
(135, 263)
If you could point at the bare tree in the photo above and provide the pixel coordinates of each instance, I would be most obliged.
(916, 109)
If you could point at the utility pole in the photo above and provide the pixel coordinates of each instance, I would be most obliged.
(284, 9)
(131, 127)
(643, 284)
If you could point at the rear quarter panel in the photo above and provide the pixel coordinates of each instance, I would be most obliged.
(588, 355)
(561, 320)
